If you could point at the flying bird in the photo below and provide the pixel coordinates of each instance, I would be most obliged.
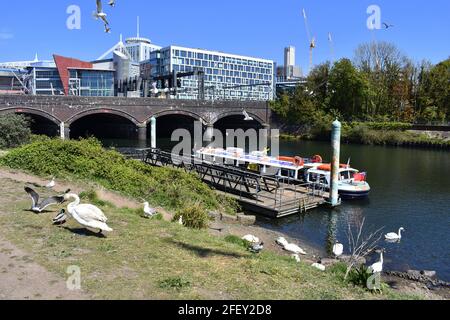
(112, 3)
(100, 14)
(387, 26)
(247, 117)
(38, 207)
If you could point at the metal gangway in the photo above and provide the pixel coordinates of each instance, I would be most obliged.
(264, 194)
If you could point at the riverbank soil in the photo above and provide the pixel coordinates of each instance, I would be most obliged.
(149, 258)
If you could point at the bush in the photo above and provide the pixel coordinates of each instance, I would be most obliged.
(14, 130)
(194, 216)
(359, 276)
(86, 159)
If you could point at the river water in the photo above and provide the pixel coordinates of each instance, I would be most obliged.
(410, 189)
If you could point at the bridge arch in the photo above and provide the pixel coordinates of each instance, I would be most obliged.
(32, 111)
(104, 124)
(101, 111)
(236, 114)
(40, 122)
(186, 113)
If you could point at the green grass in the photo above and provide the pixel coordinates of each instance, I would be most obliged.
(156, 259)
(87, 160)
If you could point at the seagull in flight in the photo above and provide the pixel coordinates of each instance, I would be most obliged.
(38, 207)
(387, 26)
(100, 14)
(112, 3)
(247, 117)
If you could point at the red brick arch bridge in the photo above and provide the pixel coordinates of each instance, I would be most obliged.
(65, 111)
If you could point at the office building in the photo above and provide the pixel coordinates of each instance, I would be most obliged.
(225, 76)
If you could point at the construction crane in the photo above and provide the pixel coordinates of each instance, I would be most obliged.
(312, 41)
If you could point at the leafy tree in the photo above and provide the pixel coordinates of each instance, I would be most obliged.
(14, 130)
(348, 89)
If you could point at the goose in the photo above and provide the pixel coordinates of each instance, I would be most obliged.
(319, 266)
(338, 249)
(87, 215)
(377, 267)
(257, 247)
(293, 248)
(394, 236)
(296, 257)
(148, 211)
(247, 117)
(51, 184)
(251, 238)
(38, 207)
(282, 241)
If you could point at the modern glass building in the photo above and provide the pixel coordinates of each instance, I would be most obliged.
(226, 76)
(91, 83)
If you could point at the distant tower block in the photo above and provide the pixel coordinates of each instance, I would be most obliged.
(291, 71)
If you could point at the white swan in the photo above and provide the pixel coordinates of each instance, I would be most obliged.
(394, 236)
(87, 215)
(293, 248)
(282, 242)
(338, 249)
(377, 267)
(251, 238)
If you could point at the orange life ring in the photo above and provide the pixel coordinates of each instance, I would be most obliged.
(316, 159)
(299, 161)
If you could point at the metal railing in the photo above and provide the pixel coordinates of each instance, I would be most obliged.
(279, 193)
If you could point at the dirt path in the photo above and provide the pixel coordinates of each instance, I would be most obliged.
(21, 278)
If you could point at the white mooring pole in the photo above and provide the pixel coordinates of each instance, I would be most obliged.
(335, 163)
(153, 132)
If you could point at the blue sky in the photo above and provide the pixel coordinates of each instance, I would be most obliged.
(259, 28)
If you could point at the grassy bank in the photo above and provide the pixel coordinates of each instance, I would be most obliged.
(391, 134)
(156, 259)
(172, 189)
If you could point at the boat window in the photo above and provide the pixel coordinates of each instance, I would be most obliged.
(312, 177)
(344, 175)
(323, 179)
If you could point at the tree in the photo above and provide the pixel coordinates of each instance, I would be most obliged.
(348, 89)
(317, 84)
(14, 130)
(434, 92)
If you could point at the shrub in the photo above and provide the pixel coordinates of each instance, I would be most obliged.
(359, 276)
(14, 130)
(86, 159)
(194, 216)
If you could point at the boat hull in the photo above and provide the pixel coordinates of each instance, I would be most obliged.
(346, 194)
